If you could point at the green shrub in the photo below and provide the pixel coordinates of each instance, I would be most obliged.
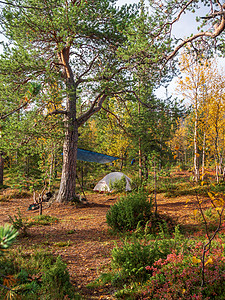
(56, 280)
(36, 275)
(129, 211)
(136, 183)
(132, 258)
(119, 185)
(19, 223)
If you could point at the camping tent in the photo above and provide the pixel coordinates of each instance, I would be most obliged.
(104, 184)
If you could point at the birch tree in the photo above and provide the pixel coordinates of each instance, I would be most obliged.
(203, 84)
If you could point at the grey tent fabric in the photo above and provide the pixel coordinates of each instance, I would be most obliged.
(104, 184)
(91, 156)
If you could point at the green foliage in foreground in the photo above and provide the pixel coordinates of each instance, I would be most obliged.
(129, 211)
(22, 224)
(35, 275)
(8, 235)
(132, 258)
(167, 268)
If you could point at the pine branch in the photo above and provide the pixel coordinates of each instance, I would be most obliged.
(21, 6)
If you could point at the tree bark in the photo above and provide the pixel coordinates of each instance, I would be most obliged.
(196, 163)
(51, 170)
(203, 156)
(67, 189)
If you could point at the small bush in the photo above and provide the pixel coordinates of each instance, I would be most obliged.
(19, 223)
(119, 185)
(130, 211)
(56, 280)
(136, 183)
(35, 275)
(179, 277)
(132, 258)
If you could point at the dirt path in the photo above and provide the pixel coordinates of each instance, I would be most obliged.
(86, 232)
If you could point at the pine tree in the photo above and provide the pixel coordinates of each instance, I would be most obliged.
(70, 44)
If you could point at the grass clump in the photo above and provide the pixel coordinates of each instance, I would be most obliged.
(22, 224)
(62, 244)
(42, 220)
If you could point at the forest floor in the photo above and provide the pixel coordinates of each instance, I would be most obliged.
(85, 231)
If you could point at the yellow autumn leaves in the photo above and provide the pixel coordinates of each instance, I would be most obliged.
(196, 260)
(202, 84)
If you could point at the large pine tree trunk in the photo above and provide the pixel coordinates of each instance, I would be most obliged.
(67, 190)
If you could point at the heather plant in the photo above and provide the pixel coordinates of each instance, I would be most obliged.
(129, 211)
(179, 276)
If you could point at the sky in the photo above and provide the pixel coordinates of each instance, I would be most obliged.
(186, 25)
(183, 28)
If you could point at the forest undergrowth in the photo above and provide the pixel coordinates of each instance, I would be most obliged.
(118, 246)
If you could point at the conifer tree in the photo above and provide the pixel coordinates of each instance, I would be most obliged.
(70, 44)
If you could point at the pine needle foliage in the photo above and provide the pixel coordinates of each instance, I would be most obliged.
(8, 235)
(129, 211)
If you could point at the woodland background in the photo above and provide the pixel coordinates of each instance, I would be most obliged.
(84, 74)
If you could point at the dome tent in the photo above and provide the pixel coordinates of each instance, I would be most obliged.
(104, 184)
